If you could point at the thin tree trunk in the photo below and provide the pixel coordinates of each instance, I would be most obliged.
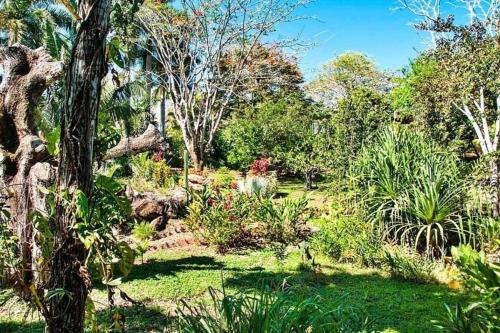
(83, 89)
(148, 67)
(196, 154)
(162, 114)
(494, 188)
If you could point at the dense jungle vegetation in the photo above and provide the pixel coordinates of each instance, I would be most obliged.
(165, 166)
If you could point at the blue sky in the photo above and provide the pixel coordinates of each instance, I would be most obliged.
(373, 27)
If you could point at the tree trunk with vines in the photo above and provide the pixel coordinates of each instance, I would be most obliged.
(78, 129)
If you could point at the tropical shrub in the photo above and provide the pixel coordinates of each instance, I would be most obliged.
(154, 171)
(405, 264)
(220, 219)
(259, 167)
(231, 219)
(142, 233)
(223, 178)
(266, 312)
(413, 190)
(482, 278)
(347, 238)
(282, 222)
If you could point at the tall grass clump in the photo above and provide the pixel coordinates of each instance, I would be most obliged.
(413, 190)
(265, 311)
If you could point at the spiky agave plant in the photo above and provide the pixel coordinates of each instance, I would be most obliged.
(413, 190)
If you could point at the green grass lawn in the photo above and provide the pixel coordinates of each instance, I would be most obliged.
(169, 275)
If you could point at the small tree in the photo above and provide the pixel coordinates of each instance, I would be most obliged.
(204, 51)
(489, 145)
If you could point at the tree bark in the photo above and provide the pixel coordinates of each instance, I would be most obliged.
(162, 114)
(494, 188)
(149, 140)
(196, 154)
(310, 174)
(83, 89)
(26, 75)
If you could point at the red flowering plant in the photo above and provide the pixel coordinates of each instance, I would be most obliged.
(221, 218)
(259, 167)
(158, 156)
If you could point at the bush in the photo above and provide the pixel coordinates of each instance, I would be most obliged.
(266, 312)
(413, 190)
(221, 219)
(223, 178)
(482, 278)
(347, 238)
(230, 219)
(405, 264)
(155, 171)
(142, 233)
(283, 222)
(259, 167)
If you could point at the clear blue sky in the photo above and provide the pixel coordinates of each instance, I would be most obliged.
(369, 26)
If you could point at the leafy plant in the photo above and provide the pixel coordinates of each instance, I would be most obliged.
(142, 233)
(413, 190)
(482, 278)
(266, 312)
(156, 172)
(406, 264)
(347, 238)
(223, 178)
(259, 167)
(221, 219)
(283, 222)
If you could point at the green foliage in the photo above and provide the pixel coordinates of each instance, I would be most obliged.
(405, 264)
(450, 74)
(36, 23)
(229, 219)
(482, 278)
(270, 129)
(98, 217)
(221, 219)
(342, 75)
(142, 233)
(8, 257)
(156, 173)
(347, 238)
(356, 119)
(223, 178)
(283, 222)
(413, 190)
(267, 312)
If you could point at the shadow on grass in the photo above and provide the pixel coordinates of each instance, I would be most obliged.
(154, 268)
(19, 327)
(137, 319)
(392, 305)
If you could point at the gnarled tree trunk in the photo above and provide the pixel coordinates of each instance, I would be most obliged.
(26, 75)
(78, 129)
